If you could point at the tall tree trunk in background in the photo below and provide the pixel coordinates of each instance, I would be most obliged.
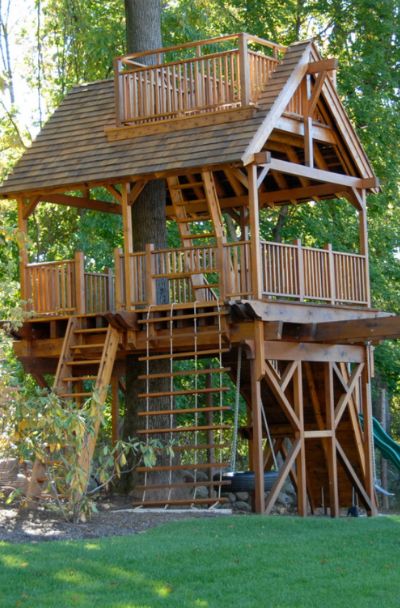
(143, 32)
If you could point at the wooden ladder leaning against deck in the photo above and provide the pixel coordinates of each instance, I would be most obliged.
(194, 409)
(84, 348)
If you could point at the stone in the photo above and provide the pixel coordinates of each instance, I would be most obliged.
(201, 492)
(231, 497)
(240, 505)
(244, 496)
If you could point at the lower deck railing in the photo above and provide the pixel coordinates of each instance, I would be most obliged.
(198, 273)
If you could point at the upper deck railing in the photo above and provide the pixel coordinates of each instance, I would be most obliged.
(199, 273)
(216, 74)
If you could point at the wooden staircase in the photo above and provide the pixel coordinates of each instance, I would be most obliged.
(83, 372)
(193, 405)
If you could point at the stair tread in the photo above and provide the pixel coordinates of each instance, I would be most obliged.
(79, 378)
(203, 235)
(189, 410)
(83, 362)
(86, 346)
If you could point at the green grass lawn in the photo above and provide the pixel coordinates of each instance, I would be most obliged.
(249, 562)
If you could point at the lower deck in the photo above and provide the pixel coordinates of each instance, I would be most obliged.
(299, 400)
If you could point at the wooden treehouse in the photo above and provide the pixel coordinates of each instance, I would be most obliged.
(232, 125)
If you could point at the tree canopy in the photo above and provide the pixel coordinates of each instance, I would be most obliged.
(71, 42)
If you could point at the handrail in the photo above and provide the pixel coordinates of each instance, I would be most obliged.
(200, 43)
(207, 82)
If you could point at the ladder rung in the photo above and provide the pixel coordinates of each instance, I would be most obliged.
(186, 372)
(187, 484)
(201, 446)
(74, 395)
(79, 378)
(188, 220)
(213, 351)
(85, 346)
(176, 335)
(92, 330)
(200, 315)
(184, 467)
(185, 429)
(186, 186)
(84, 362)
(199, 391)
(203, 235)
(181, 501)
(191, 410)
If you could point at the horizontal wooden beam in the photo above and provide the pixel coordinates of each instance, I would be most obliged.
(290, 351)
(325, 65)
(81, 203)
(330, 177)
(361, 330)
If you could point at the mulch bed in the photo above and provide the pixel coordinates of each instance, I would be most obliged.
(114, 518)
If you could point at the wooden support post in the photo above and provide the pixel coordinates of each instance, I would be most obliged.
(363, 232)
(80, 282)
(384, 467)
(151, 295)
(257, 446)
(331, 441)
(23, 252)
(127, 228)
(244, 70)
(367, 423)
(255, 244)
(308, 126)
(118, 279)
(110, 290)
(299, 434)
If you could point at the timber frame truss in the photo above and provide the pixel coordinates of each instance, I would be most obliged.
(311, 401)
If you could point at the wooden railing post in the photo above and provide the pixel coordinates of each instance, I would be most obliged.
(255, 244)
(331, 274)
(150, 281)
(110, 289)
(80, 282)
(223, 272)
(363, 230)
(300, 269)
(119, 92)
(118, 278)
(23, 253)
(244, 67)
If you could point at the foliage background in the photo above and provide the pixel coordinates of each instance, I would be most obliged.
(72, 42)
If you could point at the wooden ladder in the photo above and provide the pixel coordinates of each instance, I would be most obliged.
(191, 223)
(196, 406)
(83, 372)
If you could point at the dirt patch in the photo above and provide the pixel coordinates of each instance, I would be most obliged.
(115, 518)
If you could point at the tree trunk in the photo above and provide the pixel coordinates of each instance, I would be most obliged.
(143, 32)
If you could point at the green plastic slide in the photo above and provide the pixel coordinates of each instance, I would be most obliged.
(390, 449)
